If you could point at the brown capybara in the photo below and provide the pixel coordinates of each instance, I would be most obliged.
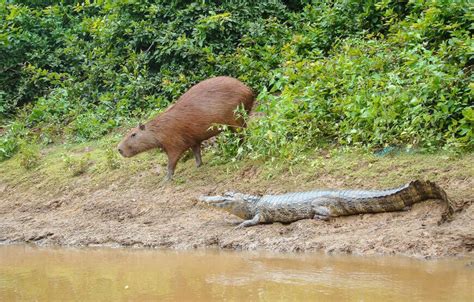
(191, 120)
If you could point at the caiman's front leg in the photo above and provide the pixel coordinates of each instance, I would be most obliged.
(251, 222)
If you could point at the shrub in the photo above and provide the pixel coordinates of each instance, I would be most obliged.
(345, 72)
(112, 159)
(76, 165)
(10, 139)
(29, 155)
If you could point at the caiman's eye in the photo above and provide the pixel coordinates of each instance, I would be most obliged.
(133, 135)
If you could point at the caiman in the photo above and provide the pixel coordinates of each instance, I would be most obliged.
(323, 204)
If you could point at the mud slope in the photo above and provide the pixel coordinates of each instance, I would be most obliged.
(132, 207)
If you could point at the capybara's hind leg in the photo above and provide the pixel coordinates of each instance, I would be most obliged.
(197, 154)
(239, 133)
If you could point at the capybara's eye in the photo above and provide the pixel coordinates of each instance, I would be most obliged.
(134, 134)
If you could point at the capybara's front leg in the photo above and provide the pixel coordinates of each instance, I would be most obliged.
(172, 161)
(197, 154)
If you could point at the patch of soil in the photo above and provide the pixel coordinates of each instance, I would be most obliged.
(167, 215)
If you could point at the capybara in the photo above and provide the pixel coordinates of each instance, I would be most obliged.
(191, 120)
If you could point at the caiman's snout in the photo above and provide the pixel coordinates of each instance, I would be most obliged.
(211, 199)
(215, 201)
(219, 200)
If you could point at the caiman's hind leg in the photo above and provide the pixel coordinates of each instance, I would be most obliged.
(322, 213)
(321, 217)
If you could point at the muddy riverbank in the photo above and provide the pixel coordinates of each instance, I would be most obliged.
(134, 208)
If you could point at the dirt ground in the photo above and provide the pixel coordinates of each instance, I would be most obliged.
(142, 211)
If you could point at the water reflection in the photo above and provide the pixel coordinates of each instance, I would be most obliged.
(28, 273)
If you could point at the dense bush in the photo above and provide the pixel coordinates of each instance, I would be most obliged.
(370, 73)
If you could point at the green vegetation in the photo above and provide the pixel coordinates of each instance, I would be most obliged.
(87, 166)
(29, 156)
(76, 165)
(370, 74)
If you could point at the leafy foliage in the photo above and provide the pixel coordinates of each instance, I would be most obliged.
(76, 165)
(369, 73)
(29, 156)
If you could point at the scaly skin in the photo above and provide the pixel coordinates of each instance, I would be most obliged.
(291, 207)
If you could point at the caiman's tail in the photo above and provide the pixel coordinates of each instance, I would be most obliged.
(434, 191)
(431, 190)
(392, 200)
(419, 190)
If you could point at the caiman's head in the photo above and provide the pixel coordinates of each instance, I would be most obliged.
(238, 204)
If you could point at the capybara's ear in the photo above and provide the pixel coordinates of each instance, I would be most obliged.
(141, 126)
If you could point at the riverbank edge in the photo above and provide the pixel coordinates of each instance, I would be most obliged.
(129, 205)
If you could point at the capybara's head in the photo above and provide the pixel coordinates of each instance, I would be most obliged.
(137, 140)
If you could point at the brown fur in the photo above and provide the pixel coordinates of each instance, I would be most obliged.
(187, 123)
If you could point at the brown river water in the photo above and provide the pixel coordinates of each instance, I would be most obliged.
(105, 274)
